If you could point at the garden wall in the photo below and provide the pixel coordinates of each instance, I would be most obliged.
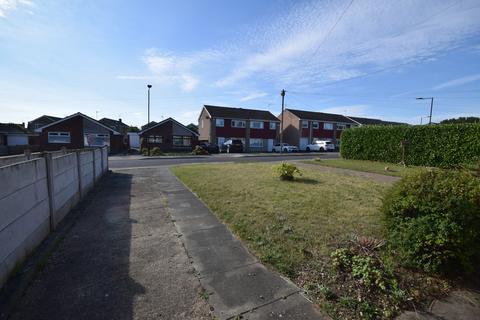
(429, 145)
(36, 194)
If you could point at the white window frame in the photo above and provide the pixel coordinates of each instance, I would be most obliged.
(273, 126)
(219, 122)
(238, 123)
(59, 134)
(256, 143)
(315, 125)
(341, 126)
(155, 139)
(106, 142)
(328, 126)
(256, 124)
(304, 124)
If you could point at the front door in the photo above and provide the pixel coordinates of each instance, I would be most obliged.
(303, 143)
(269, 145)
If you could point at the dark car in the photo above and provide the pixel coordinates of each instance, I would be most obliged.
(232, 145)
(210, 147)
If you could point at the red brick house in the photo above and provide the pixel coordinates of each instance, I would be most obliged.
(258, 129)
(79, 131)
(168, 135)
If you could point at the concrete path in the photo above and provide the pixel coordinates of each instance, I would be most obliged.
(122, 259)
(235, 282)
(363, 174)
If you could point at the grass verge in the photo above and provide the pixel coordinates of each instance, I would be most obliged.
(385, 168)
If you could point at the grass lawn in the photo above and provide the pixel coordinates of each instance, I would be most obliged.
(286, 223)
(368, 166)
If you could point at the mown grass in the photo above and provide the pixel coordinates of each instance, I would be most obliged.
(395, 170)
(288, 223)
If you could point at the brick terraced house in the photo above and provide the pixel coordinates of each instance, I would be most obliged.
(257, 129)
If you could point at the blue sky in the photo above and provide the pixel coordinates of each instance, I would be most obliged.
(361, 57)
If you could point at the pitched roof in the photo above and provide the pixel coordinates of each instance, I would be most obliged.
(51, 118)
(113, 123)
(239, 113)
(166, 120)
(75, 115)
(320, 116)
(12, 128)
(370, 121)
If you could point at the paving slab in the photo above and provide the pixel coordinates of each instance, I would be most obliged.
(292, 307)
(240, 290)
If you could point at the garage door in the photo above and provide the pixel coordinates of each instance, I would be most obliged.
(303, 143)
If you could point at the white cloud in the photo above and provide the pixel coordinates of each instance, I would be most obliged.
(10, 5)
(253, 96)
(296, 48)
(458, 82)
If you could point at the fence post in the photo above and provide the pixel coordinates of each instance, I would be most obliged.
(79, 172)
(49, 166)
(94, 167)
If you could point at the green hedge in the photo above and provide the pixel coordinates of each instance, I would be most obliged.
(444, 145)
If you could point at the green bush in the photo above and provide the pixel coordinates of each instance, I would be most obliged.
(200, 151)
(433, 220)
(287, 171)
(447, 145)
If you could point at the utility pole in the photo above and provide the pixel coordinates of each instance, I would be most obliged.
(148, 122)
(431, 107)
(282, 93)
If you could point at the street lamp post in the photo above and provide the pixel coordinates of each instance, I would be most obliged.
(431, 107)
(148, 120)
(282, 93)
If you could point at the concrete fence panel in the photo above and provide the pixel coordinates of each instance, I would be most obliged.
(98, 163)
(24, 212)
(66, 193)
(86, 171)
(105, 159)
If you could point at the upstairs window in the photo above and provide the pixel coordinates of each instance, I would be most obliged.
(315, 125)
(304, 124)
(238, 124)
(256, 124)
(219, 122)
(59, 137)
(273, 125)
(328, 126)
(341, 126)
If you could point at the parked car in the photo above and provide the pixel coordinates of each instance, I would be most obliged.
(232, 145)
(210, 147)
(285, 148)
(320, 145)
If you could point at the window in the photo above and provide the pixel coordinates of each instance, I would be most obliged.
(256, 124)
(238, 124)
(59, 137)
(256, 143)
(341, 126)
(328, 126)
(219, 122)
(202, 123)
(182, 141)
(304, 124)
(315, 125)
(155, 139)
(273, 125)
(96, 140)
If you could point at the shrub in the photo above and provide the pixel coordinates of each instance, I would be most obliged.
(447, 145)
(433, 220)
(200, 151)
(287, 171)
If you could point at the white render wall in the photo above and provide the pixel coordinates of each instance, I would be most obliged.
(36, 194)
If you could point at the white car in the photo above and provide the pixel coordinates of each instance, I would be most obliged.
(320, 145)
(285, 148)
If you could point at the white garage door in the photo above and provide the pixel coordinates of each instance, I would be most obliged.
(303, 143)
